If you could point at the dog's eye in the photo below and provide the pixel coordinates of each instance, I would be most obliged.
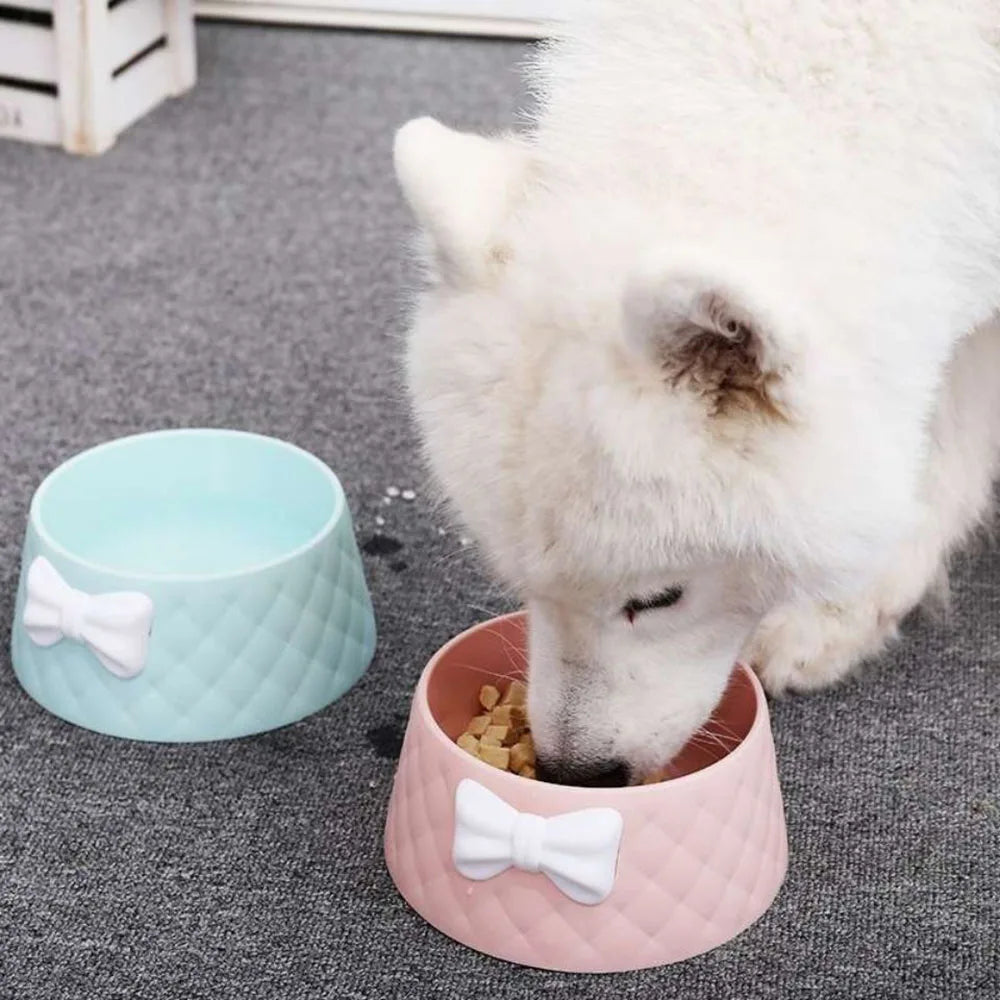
(667, 599)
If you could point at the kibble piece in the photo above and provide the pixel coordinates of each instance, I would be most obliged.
(501, 715)
(498, 757)
(528, 772)
(478, 725)
(494, 736)
(516, 694)
(522, 755)
(513, 737)
(469, 744)
(509, 715)
(488, 697)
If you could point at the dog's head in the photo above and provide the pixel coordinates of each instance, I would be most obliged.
(651, 448)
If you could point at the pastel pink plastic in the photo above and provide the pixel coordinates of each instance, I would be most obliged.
(702, 856)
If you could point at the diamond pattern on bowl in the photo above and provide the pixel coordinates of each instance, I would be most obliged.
(227, 658)
(702, 858)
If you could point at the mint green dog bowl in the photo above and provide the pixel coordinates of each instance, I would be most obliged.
(190, 585)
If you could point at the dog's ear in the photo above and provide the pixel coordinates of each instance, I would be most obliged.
(707, 336)
(461, 188)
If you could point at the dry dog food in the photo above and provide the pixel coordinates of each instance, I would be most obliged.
(500, 735)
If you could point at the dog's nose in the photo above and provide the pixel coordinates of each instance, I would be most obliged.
(603, 774)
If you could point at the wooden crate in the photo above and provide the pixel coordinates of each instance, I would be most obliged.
(77, 73)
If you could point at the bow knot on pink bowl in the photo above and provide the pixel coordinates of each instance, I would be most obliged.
(581, 879)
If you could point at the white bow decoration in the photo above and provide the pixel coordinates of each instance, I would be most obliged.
(577, 851)
(115, 627)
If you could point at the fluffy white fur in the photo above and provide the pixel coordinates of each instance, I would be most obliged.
(723, 318)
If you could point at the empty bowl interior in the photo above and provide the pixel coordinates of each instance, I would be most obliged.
(496, 652)
(191, 503)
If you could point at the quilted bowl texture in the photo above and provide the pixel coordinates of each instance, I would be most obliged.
(701, 857)
(190, 585)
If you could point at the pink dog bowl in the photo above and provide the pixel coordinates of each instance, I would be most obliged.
(581, 879)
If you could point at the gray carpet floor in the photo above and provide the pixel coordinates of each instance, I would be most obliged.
(236, 260)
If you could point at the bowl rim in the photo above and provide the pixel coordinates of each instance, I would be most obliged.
(760, 722)
(60, 550)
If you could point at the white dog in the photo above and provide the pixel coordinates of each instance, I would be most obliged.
(708, 362)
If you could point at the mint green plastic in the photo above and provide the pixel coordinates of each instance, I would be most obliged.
(246, 547)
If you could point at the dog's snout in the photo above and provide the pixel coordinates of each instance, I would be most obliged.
(602, 774)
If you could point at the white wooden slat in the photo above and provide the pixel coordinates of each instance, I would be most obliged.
(517, 10)
(81, 28)
(27, 52)
(68, 27)
(28, 116)
(179, 17)
(332, 14)
(140, 88)
(134, 25)
(45, 5)
(96, 131)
